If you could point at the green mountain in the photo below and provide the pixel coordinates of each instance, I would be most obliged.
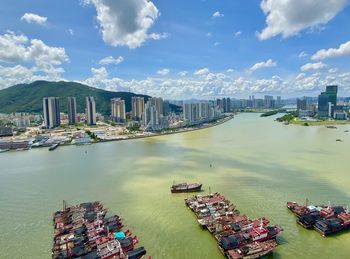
(29, 97)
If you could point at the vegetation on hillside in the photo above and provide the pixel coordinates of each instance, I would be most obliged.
(28, 97)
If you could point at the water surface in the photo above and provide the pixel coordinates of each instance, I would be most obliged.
(257, 163)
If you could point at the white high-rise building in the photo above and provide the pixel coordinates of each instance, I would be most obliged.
(158, 103)
(151, 117)
(51, 111)
(90, 110)
(118, 110)
(137, 107)
(72, 110)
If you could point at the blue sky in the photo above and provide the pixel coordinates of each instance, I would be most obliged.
(179, 49)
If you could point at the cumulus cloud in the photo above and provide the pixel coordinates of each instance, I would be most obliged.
(163, 71)
(111, 60)
(289, 17)
(238, 33)
(341, 51)
(71, 32)
(18, 48)
(217, 14)
(44, 60)
(34, 18)
(313, 66)
(263, 64)
(201, 72)
(158, 36)
(126, 22)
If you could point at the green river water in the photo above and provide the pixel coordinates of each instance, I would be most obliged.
(257, 163)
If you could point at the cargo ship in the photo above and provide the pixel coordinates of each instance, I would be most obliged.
(186, 187)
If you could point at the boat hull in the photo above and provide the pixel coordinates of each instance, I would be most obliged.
(195, 189)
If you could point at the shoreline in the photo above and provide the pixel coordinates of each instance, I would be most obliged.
(176, 131)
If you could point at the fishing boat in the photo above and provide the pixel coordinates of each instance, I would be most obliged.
(4, 150)
(186, 187)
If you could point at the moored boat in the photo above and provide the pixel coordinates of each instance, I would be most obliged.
(186, 187)
(54, 146)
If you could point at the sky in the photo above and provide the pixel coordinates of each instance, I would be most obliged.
(179, 49)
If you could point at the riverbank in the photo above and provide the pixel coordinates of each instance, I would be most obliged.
(140, 135)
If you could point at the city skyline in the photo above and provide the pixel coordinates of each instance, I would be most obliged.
(224, 48)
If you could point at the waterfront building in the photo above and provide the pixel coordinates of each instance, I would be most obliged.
(72, 110)
(158, 103)
(90, 110)
(151, 118)
(269, 102)
(118, 110)
(6, 131)
(51, 110)
(331, 91)
(340, 115)
(323, 105)
(137, 107)
(166, 108)
(301, 104)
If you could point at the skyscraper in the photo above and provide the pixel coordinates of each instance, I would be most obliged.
(72, 110)
(323, 105)
(90, 110)
(118, 110)
(158, 103)
(331, 91)
(51, 110)
(151, 117)
(137, 107)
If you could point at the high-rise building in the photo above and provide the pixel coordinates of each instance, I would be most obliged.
(158, 103)
(323, 105)
(118, 110)
(301, 104)
(331, 91)
(72, 110)
(51, 110)
(269, 101)
(279, 101)
(166, 108)
(151, 117)
(137, 107)
(90, 110)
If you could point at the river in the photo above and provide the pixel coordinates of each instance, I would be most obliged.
(257, 163)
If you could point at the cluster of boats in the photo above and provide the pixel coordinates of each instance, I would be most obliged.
(325, 219)
(84, 231)
(237, 235)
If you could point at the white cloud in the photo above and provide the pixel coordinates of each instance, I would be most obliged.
(209, 34)
(217, 14)
(216, 43)
(126, 22)
(111, 60)
(201, 72)
(343, 50)
(158, 36)
(263, 64)
(183, 73)
(34, 18)
(313, 66)
(302, 54)
(71, 32)
(230, 70)
(163, 71)
(18, 48)
(289, 17)
(238, 33)
(333, 70)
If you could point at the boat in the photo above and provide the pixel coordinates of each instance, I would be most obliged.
(328, 226)
(346, 130)
(331, 127)
(4, 150)
(186, 187)
(54, 146)
(339, 140)
(252, 250)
